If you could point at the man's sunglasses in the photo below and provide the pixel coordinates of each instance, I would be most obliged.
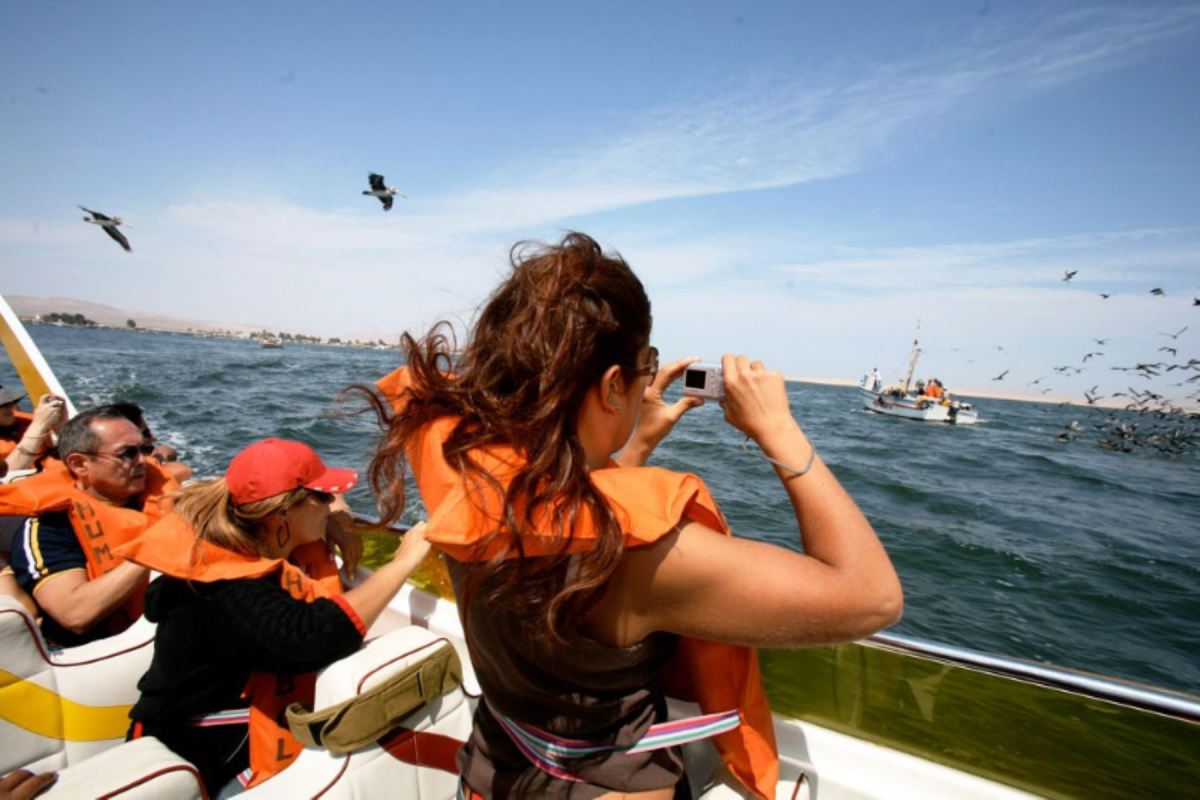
(130, 453)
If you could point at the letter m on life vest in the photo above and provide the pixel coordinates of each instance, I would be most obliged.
(88, 523)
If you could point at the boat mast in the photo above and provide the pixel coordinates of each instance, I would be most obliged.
(912, 359)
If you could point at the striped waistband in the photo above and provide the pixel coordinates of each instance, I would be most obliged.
(236, 716)
(549, 753)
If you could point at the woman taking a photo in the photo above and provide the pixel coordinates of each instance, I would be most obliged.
(588, 582)
(249, 606)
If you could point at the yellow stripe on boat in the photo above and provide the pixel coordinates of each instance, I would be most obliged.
(27, 360)
(39, 710)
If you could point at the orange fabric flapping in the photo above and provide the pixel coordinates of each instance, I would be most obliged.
(172, 548)
(648, 502)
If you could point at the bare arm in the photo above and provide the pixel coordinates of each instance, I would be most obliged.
(78, 603)
(369, 599)
(700, 583)
(47, 419)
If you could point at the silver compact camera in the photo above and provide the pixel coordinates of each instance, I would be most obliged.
(704, 380)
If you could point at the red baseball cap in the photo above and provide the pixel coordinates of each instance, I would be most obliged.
(273, 466)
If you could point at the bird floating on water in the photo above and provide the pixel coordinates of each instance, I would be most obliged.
(110, 226)
(383, 192)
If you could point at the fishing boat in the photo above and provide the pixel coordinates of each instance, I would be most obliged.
(271, 342)
(908, 403)
(889, 716)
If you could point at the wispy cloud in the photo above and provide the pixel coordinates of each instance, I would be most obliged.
(822, 126)
(1106, 261)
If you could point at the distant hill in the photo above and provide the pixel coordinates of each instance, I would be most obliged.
(28, 307)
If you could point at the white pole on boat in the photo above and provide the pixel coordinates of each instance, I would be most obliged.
(32, 368)
(912, 359)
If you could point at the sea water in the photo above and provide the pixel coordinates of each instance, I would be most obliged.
(1006, 540)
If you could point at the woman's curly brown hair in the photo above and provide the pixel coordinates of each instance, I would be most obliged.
(563, 316)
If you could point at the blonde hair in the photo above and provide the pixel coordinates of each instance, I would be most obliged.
(205, 506)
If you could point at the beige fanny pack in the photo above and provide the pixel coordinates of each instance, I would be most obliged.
(362, 720)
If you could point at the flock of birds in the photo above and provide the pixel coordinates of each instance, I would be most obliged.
(1163, 424)
(379, 189)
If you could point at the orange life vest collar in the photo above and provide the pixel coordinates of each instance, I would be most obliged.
(649, 503)
(172, 548)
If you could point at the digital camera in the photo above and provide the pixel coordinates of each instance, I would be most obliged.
(704, 380)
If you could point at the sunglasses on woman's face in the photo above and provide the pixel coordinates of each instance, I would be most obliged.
(128, 454)
(650, 369)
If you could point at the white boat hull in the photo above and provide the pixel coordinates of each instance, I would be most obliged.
(922, 409)
(809, 754)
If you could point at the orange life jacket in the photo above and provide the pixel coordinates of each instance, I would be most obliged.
(648, 503)
(171, 547)
(101, 528)
(12, 437)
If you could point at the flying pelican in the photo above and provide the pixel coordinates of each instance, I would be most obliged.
(383, 192)
(1068, 274)
(1104, 296)
(1158, 292)
(110, 227)
(1174, 335)
(1000, 377)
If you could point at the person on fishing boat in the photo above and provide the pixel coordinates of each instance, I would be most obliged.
(99, 494)
(590, 585)
(25, 438)
(249, 606)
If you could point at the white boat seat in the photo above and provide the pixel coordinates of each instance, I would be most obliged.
(429, 734)
(57, 709)
(143, 768)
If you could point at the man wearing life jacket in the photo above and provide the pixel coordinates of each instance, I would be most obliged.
(102, 494)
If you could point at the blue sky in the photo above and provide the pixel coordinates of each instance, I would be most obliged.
(801, 182)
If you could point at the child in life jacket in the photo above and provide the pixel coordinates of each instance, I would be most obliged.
(590, 585)
(248, 607)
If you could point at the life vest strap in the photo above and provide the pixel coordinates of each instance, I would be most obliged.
(233, 716)
(550, 753)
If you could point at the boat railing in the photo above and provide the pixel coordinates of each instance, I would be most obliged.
(1130, 693)
(1102, 687)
